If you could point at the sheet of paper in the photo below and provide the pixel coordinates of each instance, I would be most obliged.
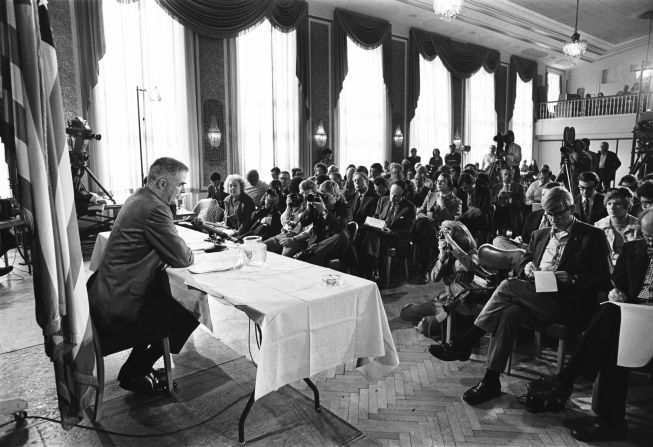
(376, 223)
(545, 281)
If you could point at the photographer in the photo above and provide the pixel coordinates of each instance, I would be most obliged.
(513, 153)
(578, 159)
(294, 233)
(328, 212)
(266, 220)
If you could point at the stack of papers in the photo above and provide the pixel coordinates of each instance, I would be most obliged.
(376, 223)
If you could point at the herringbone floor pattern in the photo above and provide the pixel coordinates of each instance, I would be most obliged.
(420, 404)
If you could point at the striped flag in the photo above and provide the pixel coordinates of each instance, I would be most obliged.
(33, 130)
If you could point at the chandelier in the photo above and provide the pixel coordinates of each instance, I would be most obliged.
(447, 9)
(576, 47)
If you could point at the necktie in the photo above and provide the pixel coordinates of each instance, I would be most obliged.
(359, 199)
(393, 208)
(587, 210)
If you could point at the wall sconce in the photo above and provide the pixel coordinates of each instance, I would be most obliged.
(214, 134)
(398, 137)
(320, 135)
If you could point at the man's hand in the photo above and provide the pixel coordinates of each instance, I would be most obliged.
(529, 269)
(617, 296)
(319, 207)
(286, 241)
(563, 278)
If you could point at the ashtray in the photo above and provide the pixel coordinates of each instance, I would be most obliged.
(331, 280)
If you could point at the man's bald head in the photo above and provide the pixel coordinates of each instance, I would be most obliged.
(646, 222)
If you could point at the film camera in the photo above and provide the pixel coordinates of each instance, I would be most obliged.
(568, 138)
(79, 128)
(501, 142)
(314, 197)
(80, 133)
(644, 132)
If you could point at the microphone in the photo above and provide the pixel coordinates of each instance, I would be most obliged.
(212, 230)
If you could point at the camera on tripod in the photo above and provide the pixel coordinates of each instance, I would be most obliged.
(568, 138)
(79, 128)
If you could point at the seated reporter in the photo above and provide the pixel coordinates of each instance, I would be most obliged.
(589, 203)
(508, 197)
(363, 202)
(266, 220)
(238, 206)
(596, 356)
(328, 213)
(130, 296)
(618, 225)
(399, 216)
(476, 206)
(439, 205)
(294, 227)
(578, 255)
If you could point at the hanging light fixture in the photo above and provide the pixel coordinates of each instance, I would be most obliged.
(320, 135)
(214, 134)
(447, 9)
(398, 137)
(576, 47)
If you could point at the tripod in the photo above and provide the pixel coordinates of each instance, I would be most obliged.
(494, 173)
(79, 165)
(567, 170)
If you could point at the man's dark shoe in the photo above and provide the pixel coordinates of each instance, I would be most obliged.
(376, 276)
(482, 392)
(450, 351)
(147, 384)
(601, 430)
(5, 270)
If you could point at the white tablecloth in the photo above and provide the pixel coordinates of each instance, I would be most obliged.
(307, 327)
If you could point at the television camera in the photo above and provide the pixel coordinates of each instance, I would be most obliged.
(642, 152)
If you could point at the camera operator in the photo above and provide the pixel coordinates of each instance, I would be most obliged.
(294, 232)
(578, 159)
(329, 213)
(513, 153)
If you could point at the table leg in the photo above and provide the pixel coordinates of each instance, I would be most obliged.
(243, 417)
(316, 393)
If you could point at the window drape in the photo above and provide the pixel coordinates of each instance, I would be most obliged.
(461, 59)
(90, 40)
(553, 81)
(522, 119)
(145, 48)
(431, 126)
(527, 70)
(481, 117)
(267, 100)
(362, 109)
(367, 32)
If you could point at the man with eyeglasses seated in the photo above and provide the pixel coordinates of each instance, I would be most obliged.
(596, 355)
(329, 213)
(578, 256)
(589, 206)
(644, 195)
(439, 205)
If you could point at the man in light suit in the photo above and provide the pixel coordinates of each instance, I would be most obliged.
(579, 256)
(129, 298)
(399, 216)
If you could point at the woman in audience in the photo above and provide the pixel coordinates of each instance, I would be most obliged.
(436, 160)
(618, 225)
(238, 206)
(458, 257)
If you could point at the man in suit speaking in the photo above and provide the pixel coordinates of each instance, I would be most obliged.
(579, 258)
(130, 298)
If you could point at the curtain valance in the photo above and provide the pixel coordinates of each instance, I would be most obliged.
(221, 19)
(527, 70)
(367, 32)
(462, 60)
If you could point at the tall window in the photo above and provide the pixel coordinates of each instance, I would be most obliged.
(481, 119)
(145, 48)
(522, 118)
(553, 81)
(363, 124)
(431, 126)
(267, 99)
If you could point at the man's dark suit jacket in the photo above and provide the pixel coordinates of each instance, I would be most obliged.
(597, 211)
(531, 223)
(482, 200)
(401, 224)
(630, 269)
(516, 194)
(586, 255)
(609, 170)
(361, 209)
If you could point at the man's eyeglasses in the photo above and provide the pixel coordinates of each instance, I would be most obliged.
(583, 188)
(557, 215)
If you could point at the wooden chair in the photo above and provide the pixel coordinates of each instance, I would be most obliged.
(108, 345)
(387, 256)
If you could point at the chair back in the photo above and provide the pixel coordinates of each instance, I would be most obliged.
(352, 229)
(499, 260)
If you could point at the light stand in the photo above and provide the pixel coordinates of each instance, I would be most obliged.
(154, 96)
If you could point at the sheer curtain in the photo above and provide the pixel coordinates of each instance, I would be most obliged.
(553, 90)
(481, 118)
(522, 118)
(431, 126)
(267, 99)
(363, 124)
(145, 47)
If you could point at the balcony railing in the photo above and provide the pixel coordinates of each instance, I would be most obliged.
(602, 105)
